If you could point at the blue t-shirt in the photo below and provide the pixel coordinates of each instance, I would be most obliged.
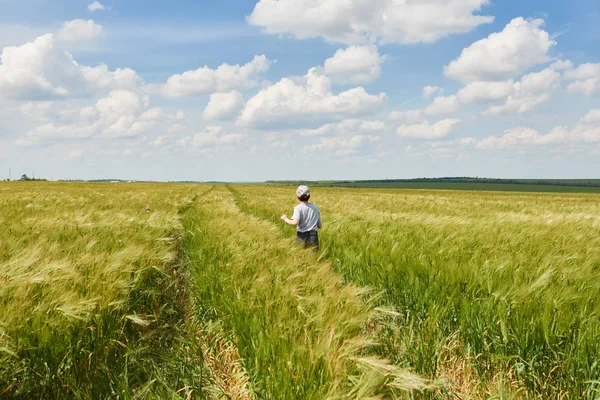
(309, 217)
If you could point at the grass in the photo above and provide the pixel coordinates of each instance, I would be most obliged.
(415, 294)
(496, 292)
(298, 328)
(92, 293)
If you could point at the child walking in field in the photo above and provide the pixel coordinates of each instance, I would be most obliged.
(306, 219)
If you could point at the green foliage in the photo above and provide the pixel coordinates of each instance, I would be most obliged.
(25, 178)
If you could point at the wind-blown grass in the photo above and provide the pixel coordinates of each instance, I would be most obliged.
(497, 292)
(92, 295)
(493, 294)
(298, 328)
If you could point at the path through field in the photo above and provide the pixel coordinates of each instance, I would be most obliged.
(298, 328)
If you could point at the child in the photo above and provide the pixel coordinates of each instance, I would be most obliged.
(306, 219)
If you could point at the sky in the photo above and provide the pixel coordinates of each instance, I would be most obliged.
(254, 90)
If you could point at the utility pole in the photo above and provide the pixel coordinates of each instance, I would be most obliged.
(9, 174)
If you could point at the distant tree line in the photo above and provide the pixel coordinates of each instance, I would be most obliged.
(24, 177)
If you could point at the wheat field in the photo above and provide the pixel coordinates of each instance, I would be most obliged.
(414, 294)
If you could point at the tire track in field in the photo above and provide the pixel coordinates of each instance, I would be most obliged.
(296, 325)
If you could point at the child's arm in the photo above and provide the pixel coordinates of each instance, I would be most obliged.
(292, 222)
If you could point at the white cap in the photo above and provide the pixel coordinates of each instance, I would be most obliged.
(302, 190)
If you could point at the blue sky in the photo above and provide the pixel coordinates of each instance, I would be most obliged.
(299, 89)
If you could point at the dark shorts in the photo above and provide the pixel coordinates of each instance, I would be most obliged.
(308, 239)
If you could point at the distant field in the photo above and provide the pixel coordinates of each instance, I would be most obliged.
(474, 186)
(522, 185)
(415, 294)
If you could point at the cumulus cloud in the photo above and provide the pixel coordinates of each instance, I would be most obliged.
(406, 117)
(482, 92)
(360, 21)
(533, 90)
(212, 136)
(96, 6)
(343, 146)
(523, 96)
(593, 117)
(521, 45)
(443, 105)
(223, 106)
(206, 80)
(346, 127)
(121, 78)
(44, 69)
(302, 101)
(586, 131)
(428, 131)
(585, 79)
(356, 64)
(561, 65)
(121, 114)
(79, 30)
(429, 91)
(38, 70)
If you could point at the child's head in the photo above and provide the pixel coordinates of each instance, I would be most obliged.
(303, 193)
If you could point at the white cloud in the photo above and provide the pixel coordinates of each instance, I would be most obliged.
(593, 117)
(223, 106)
(484, 91)
(428, 131)
(584, 71)
(533, 90)
(343, 146)
(360, 21)
(178, 116)
(346, 127)
(44, 69)
(223, 79)
(587, 87)
(121, 114)
(96, 6)
(443, 105)
(474, 92)
(79, 30)
(521, 45)
(429, 91)
(406, 117)
(520, 97)
(586, 79)
(308, 100)
(561, 65)
(522, 136)
(212, 136)
(356, 64)
(585, 132)
(121, 78)
(38, 70)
